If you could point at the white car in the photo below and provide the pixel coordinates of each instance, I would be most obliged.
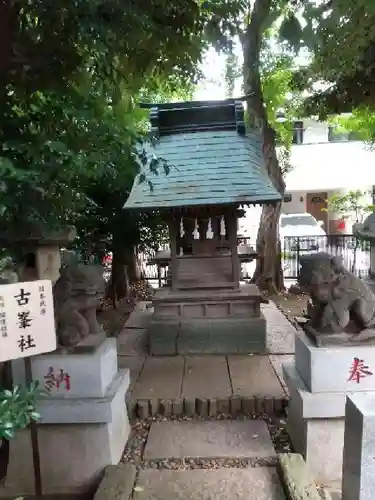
(308, 233)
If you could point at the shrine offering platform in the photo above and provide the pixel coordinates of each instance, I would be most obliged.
(207, 321)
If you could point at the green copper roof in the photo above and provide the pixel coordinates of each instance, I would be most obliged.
(207, 167)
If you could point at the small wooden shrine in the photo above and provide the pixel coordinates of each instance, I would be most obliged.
(215, 166)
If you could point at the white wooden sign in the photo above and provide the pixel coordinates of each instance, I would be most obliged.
(27, 323)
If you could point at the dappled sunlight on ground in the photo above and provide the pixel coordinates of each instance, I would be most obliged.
(290, 304)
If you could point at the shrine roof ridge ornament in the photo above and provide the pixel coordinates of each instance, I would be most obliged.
(196, 116)
(212, 160)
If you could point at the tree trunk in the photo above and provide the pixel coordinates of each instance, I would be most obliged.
(8, 18)
(268, 273)
(125, 269)
(119, 281)
(124, 272)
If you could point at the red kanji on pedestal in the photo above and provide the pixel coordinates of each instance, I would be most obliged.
(358, 370)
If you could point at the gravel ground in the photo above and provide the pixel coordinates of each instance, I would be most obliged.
(291, 305)
(133, 452)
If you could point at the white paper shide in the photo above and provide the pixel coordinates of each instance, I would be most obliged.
(27, 324)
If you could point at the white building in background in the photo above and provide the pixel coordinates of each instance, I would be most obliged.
(324, 164)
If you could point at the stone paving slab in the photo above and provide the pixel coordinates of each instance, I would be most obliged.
(203, 377)
(259, 483)
(143, 305)
(132, 341)
(117, 483)
(209, 439)
(333, 489)
(334, 494)
(206, 377)
(280, 332)
(135, 365)
(254, 376)
(277, 361)
(161, 377)
(139, 319)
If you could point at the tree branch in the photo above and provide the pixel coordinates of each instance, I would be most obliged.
(245, 97)
(261, 11)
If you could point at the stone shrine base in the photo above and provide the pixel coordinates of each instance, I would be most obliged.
(210, 321)
(209, 385)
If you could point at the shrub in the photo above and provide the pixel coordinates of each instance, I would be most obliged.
(18, 409)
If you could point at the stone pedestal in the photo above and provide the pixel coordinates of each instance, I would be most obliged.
(359, 448)
(370, 282)
(372, 259)
(329, 369)
(87, 370)
(318, 383)
(84, 425)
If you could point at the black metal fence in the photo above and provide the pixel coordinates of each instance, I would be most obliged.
(354, 252)
(156, 275)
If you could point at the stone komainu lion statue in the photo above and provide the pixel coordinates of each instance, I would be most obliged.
(341, 301)
(77, 296)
